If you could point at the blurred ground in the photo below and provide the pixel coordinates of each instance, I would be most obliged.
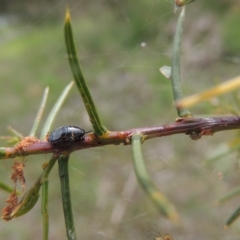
(122, 44)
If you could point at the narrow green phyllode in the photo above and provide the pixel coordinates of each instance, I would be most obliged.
(56, 108)
(175, 74)
(160, 200)
(66, 197)
(229, 196)
(233, 217)
(99, 129)
(40, 113)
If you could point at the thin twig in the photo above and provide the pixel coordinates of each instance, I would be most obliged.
(194, 127)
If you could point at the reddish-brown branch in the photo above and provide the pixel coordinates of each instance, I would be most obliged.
(194, 127)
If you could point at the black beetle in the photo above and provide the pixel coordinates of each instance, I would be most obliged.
(66, 134)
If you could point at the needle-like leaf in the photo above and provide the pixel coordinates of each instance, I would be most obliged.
(52, 115)
(222, 88)
(66, 197)
(99, 129)
(40, 112)
(159, 199)
(175, 69)
(233, 217)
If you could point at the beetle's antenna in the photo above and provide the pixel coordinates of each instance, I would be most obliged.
(89, 131)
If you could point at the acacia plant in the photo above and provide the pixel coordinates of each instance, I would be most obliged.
(66, 140)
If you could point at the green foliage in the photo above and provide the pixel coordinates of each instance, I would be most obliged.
(103, 34)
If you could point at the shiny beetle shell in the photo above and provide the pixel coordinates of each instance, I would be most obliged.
(66, 134)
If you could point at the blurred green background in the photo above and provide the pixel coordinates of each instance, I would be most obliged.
(122, 45)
